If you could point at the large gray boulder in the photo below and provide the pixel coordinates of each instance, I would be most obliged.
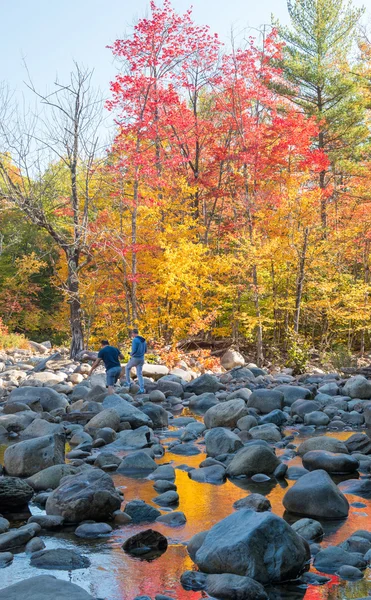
(17, 422)
(268, 432)
(40, 428)
(89, 495)
(202, 403)
(231, 359)
(14, 492)
(157, 414)
(137, 463)
(154, 371)
(335, 464)
(107, 418)
(221, 441)
(59, 559)
(31, 456)
(234, 587)
(266, 400)
(14, 538)
(48, 398)
(225, 414)
(323, 443)
(251, 460)
(309, 529)
(133, 439)
(44, 587)
(358, 387)
(126, 411)
(50, 478)
(204, 383)
(292, 393)
(257, 545)
(316, 495)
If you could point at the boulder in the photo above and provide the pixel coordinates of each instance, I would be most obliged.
(170, 388)
(44, 587)
(157, 414)
(48, 398)
(40, 428)
(316, 495)
(140, 512)
(251, 460)
(332, 558)
(292, 393)
(359, 442)
(358, 387)
(164, 472)
(266, 400)
(246, 423)
(214, 474)
(316, 418)
(255, 502)
(126, 411)
(31, 456)
(16, 422)
(234, 587)
(304, 407)
(257, 545)
(225, 414)
(137, 463)
(137, 438)
(231, 359)
(221, 441)
(49, 479)
(173, 519)
(357, 487)
(48, 522)
(14, 492)
(14, 538)
(334, 464)
(268, 432)
(87, 495)
(106, 418)
(322, 443)
(148, 544)
(202, 384)
(202, 403)
(309, 529)
(93, 530)
(167, 498)
(154, 371)
(59, 559)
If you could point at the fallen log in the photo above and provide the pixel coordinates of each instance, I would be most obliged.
(42, 364)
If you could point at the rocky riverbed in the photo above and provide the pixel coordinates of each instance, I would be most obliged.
(241, 485)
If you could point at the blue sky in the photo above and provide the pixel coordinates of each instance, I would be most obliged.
(49, 34)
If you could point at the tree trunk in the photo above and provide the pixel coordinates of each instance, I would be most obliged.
(77, 333)
(300, 281)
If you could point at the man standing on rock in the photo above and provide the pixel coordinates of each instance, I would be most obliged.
(138, 350)
(110, 357)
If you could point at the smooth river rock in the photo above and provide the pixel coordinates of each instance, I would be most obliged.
(316, 495)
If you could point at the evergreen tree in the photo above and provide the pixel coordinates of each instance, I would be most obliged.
(317, 65)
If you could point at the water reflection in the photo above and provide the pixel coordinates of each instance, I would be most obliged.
(115, 575)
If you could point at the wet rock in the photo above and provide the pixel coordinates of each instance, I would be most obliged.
(18, 537)
(193, 580)
(59, 559)
(280, 471)
(203, 402)
(358, 387)
(332, 558)
(173, 519)
(266, 401)
(292, 393)
(34, 545)
(314, 579)
(359, 442)
(136, 439)
(246, 423)
(137, 463)
(304, 407)
(4, 525)
(195, 543)
(276, 417)
(31, 456)
(121, 518)
(234, 587)
(349, 573)
(316, 418)
(89, 495)
(6, 559)
(126, 411)
(169, 498)
(356, 487)
(323, 443)
(165, 472)
(214, 474)
(147, 544)
(48, 398)
(44, 587)
(140, 512)
(294, 473)
(221, 441)
(107, 461)
(248, 543)
(255, 502)
(356, 544)
(49, 478)
(14, 492)
(309, 529)
(251, 460)
(162, 485)
(202, 384)
(106, 418)
(316, 495)
(268, 432)
(187, 449)
(330, 462)
(93, 530)
(157, 414)
(47, 522)
(225, 414)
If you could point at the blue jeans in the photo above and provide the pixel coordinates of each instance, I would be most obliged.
(112, 375)
(138, 363)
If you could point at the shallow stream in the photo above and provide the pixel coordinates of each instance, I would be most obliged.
(114, 575)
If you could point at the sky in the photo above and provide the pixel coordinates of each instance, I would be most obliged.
(48, 35)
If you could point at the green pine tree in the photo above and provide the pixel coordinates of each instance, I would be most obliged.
(317, 64)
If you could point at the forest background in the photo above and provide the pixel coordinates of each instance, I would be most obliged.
(231, 205)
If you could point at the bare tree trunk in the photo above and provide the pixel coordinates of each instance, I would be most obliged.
(77, 334)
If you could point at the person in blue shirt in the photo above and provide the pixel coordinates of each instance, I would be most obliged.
(110, 357)
(138, 350)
